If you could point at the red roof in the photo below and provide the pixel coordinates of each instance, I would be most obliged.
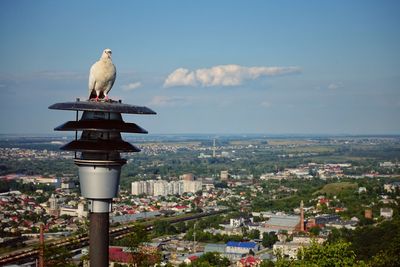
(250, 261)
(323, 200)
(193, 258)
(118, 255)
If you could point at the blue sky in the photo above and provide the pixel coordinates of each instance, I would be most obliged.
(270, 67)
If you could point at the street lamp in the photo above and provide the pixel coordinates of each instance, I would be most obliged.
(97, 155)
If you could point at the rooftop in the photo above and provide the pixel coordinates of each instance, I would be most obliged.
(283, 220)
(241, 244)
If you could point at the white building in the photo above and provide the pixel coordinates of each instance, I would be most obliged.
(241, 247)
(137, 187)
(67, 185)
(175, 188)
(192, 186)
(78, 212)
(279, 222)
(143, 187)
(53, 204)
(290, 249)
(236, 222)
(39, 180)
(149, 188)
(160, 188)
(391, 188)
(164, 188)
(387, 164)
(386, 213)
(362, 190)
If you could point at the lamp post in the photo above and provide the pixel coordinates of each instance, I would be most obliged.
(97, 155)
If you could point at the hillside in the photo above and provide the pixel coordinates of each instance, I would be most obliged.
(336, 188)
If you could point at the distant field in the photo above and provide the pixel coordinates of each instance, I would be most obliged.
(174, 143)
(336, 159)
(246, 142)
(335, 188)
(310, 149)
(285, 142)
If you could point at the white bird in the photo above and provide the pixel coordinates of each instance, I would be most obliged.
(102, 76)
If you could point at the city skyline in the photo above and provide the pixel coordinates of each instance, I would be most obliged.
(208, 67)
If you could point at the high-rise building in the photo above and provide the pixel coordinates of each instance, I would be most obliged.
(160, 188)
(176, 188)
(164, 188)
(149, 188)
(54, 209)
(142, 187)
(53, 202)
(192, 186)
(137, 188)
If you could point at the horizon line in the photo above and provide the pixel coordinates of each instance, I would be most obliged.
(212, 134)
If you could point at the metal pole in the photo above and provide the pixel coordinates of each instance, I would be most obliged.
(99, 239)
(41, 251)
(76, 132)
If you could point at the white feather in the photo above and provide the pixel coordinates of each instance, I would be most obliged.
(102, 75)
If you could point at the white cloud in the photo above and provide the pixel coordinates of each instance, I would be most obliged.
(168, 101)
(131, 86)
(223, 75)
(180, 77)
(334, 86)
(266, 104)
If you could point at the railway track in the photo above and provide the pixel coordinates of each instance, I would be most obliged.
(82, 240)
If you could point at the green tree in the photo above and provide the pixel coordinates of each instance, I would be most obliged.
(57, 257)
(390, 256)
(337, 254)
(315, 230)
(162, 227)
(181, 227)
(329, 255)
(210, 259)
(269, 239)
(267, 263)
(138, 235)
(254, 234)
(364, 240)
